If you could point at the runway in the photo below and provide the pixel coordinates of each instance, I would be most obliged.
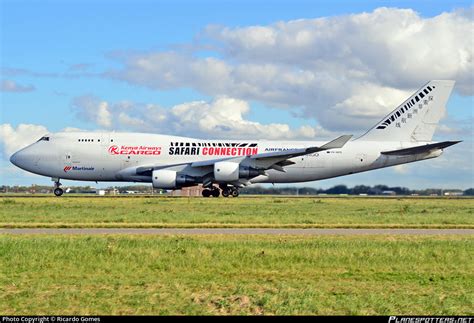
(239, 231)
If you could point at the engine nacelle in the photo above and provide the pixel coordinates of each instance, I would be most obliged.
(164, 178)
(226, 171)
(169, 179)
(229, 172)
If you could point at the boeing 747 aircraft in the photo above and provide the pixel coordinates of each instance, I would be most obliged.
(169, 162)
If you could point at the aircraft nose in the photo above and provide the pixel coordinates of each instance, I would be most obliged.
(14, 159)
(19, 159)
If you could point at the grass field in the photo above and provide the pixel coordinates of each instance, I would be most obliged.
(240, 212)
(236, 275)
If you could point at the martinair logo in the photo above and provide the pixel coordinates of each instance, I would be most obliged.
(134, 150)
(78, 168)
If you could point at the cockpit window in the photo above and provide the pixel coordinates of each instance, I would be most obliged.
(45, 138)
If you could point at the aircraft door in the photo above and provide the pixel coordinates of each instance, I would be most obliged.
(105, 140)
(66, 161)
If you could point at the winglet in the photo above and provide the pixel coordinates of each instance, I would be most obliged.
(339, 142)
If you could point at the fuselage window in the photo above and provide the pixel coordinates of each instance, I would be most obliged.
(416, 98)
(421, 95)
(429, 88)
(426, 91)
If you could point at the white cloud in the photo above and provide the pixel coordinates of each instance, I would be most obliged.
(322, 68)
(12, 86)
(90, 108)
(223, 117)
(401, 169)
(14, 139)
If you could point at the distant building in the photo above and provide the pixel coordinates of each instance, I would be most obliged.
(188, 191)
(112, 191)
(389, 193)
(453, 193)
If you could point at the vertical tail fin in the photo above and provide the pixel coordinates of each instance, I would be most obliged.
(417, 117)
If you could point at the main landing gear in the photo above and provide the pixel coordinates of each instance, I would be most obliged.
(226, 191)
(58, 191)
(213, 191)
(230, 191)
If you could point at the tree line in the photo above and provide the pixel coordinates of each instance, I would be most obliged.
(257, 190)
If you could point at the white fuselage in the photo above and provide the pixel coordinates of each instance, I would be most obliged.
(115, 156)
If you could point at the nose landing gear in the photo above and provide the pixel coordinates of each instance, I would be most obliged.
(58, 191)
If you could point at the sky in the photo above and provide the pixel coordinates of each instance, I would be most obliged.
(235, 69)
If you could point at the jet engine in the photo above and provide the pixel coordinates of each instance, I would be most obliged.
(230, 172)
(170, 179)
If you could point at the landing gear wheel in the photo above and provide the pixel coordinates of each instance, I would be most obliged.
(225, 192)
(206, 193)
(235, 192)
(215, 192)
(58, 191)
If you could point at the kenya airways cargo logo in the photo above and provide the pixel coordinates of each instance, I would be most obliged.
(134, 150)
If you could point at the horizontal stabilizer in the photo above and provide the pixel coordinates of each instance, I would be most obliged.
(420, 149)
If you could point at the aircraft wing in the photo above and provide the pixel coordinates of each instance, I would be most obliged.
(420, 149)
(272, 160)
(265, 160)
(336, 143)
(277, 160)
